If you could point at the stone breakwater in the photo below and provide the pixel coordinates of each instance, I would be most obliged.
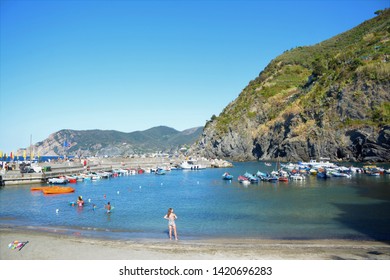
(60, 168)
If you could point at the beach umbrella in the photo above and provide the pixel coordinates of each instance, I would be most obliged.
(11, 156)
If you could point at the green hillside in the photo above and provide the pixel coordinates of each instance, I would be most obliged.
(309, 101)
(116, 143)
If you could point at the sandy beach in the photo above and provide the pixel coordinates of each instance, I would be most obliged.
(49, 246)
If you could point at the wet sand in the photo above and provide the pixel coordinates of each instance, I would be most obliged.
(49, 246)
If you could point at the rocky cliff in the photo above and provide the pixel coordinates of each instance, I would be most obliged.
(327, 100)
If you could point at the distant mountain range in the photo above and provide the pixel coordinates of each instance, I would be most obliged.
(115, 143)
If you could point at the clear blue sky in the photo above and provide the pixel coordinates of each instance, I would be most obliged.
(133, 65)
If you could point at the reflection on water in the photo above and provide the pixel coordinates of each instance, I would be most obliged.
(208, 206)
(371, 219)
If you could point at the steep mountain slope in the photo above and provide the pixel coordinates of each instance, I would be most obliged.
(327, 100)
(116, 143)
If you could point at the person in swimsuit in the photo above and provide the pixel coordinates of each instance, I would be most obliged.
(80, 201)
(171, 217)
(108, 207)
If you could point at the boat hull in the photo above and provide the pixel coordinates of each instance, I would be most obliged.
(57, 190)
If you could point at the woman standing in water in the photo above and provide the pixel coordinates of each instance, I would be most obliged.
(171, 217)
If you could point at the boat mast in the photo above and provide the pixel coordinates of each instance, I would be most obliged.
(30, 149)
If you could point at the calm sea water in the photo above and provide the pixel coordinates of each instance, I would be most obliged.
(209, 207)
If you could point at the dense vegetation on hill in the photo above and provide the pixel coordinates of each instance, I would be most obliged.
(327, 100)
(116, 143)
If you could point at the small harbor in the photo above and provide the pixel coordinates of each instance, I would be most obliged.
(354, 208)
(54, 169)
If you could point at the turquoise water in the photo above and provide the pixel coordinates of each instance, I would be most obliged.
(209, 207)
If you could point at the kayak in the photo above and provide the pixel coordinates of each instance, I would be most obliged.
(57, 190)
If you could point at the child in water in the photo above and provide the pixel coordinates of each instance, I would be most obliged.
(80, 201)
(108, 207)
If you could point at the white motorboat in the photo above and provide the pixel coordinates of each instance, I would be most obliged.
(191, 165)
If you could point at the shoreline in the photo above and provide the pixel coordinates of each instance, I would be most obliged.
(14, 177)
(51, 246)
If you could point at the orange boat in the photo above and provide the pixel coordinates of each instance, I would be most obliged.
(57, 190)
(283, 179)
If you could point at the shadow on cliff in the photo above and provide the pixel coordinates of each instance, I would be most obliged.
(372, 220)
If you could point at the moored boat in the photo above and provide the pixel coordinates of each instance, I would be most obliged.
(227, 176)
(297, 177)
(261, 174)
(70, 179)
(283, 179)
(57, 181)
(57, 190)
(322, 175)
(373, 173)
(251, 178)
(272, 179)
(160, 171)
(339, 174)
(242, 179)
(140, 171)
(191, 165)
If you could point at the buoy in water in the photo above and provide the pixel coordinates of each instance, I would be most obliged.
(117, 192)
(57, 210)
